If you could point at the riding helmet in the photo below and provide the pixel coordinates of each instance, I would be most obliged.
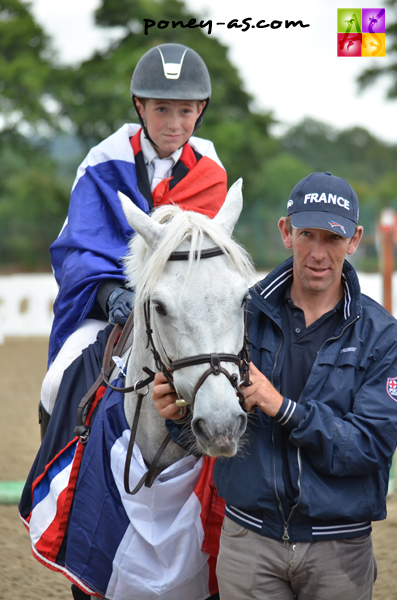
(171, 72)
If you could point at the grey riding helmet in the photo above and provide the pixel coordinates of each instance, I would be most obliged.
(171, 72)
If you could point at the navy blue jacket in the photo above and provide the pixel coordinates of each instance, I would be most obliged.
(337, 442)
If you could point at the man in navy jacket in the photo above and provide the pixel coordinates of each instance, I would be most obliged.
(322, 431)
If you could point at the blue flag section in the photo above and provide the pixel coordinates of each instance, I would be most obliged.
(160, 543)
(94, 238)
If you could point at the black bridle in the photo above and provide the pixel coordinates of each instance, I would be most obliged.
(242, 360)
(214, 360)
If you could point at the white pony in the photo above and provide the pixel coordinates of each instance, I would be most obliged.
(197, 307)
(129, 535)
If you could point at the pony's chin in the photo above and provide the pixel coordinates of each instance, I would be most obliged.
(218, 448)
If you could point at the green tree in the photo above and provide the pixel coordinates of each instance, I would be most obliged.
(33, 203)
(352, 153)
(257, 228)
(33, 198)
(27, 91)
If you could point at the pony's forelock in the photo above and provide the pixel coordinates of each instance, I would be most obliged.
(144, 266)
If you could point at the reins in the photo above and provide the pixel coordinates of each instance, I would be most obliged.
(242, 361)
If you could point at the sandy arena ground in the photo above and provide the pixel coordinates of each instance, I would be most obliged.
(23, 363)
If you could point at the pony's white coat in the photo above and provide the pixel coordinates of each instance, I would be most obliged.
(197, 308)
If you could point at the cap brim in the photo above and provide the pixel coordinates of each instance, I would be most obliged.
(312, 219)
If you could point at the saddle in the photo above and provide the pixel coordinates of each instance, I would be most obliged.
(119, 341)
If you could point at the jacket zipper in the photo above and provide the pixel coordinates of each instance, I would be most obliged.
(285, 536)
(342, 332)
(277, 355)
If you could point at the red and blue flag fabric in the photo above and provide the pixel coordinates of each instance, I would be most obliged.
(95, 235)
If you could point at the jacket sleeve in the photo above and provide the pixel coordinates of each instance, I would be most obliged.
(363, 440)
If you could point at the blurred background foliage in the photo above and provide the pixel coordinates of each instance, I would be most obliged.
(51, 114)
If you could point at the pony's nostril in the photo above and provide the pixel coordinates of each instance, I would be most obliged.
(199, 428)
(241, 424)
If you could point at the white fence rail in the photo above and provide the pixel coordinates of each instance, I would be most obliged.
(26, 305)
(26, 301)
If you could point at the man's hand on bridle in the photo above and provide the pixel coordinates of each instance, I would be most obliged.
(164, 398)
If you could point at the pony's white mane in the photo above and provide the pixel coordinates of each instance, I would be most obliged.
(144, 267)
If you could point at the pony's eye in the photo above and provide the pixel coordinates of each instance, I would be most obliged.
(159, 308)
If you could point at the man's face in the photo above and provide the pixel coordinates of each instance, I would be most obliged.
(170, 123)
(318, 256)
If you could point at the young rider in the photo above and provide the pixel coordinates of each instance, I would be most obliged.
(154, 163)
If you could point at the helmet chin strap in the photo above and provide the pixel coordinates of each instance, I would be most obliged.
(143, 124)
(145, 131)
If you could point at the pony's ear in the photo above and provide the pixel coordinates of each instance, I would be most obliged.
(230, 211)
(151, 231)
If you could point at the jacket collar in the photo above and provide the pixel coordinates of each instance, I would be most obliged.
(268, 294)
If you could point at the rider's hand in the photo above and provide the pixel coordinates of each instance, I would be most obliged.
(261, 393)
(164, 397)
(119, 304)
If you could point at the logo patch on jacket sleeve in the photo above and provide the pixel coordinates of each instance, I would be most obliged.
(391, 387)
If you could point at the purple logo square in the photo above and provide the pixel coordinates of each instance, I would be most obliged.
(373, 20)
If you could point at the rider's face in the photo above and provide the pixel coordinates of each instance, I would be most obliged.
(170, 123)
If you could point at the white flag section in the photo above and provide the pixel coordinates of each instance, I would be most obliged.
(160, 554)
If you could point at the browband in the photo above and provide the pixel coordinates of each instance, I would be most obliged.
(206, 253)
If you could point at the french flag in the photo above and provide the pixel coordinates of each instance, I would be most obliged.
(160, 543)
(95, 235)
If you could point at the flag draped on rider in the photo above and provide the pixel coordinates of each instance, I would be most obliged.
(94, 238)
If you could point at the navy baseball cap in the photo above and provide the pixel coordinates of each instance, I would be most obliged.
(324, 201)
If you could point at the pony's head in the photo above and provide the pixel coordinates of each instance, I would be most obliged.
(197, 307)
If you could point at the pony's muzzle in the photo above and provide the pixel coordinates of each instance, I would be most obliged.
(221, 441)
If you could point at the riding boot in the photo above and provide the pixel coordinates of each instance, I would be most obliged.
(44, 419)
(78, 594)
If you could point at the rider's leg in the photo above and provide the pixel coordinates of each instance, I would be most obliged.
(78, 594)
(84, 335)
